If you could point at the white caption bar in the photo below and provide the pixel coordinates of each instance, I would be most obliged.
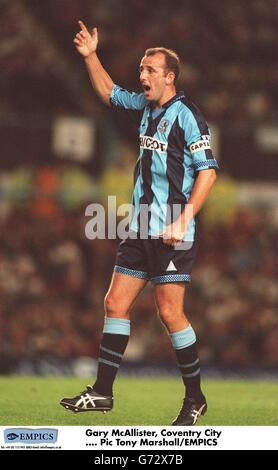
(150, 438)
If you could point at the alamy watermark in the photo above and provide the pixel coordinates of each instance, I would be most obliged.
(143, 222)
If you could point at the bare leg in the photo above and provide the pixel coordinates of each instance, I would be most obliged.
(170, 303)
(121, 295)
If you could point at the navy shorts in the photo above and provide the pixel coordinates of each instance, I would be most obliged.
(152, 260)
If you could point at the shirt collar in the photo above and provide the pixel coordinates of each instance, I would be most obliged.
(178, 96)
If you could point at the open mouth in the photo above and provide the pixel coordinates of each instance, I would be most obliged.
(146, 87)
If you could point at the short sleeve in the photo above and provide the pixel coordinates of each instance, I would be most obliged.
(198, 141)
(128, 100)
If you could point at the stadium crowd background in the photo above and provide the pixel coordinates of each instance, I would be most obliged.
(53, 279)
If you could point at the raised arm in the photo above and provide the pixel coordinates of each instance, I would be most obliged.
(86, 44)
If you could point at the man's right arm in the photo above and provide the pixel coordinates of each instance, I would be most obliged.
(86, 45)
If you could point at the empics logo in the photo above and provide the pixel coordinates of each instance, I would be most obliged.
(149, 143)
(30, 436)
(12, 436)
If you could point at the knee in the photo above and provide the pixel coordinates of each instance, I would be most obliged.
(166, 315)
(172, 318)
(110, 304)
(113, 307)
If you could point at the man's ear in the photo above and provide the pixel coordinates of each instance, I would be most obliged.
(170, 78)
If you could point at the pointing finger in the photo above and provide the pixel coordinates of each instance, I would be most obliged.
(82, 26)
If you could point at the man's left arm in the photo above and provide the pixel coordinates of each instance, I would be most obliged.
(197, 144)
(175, 232)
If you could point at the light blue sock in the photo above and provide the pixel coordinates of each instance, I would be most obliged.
(117, 326)
(184, 338)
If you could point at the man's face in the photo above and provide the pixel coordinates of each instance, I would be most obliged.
(153, 76)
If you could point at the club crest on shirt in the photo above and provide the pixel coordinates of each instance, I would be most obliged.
(164, 123)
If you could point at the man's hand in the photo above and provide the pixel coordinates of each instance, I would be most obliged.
(174, 233)
(85, 42)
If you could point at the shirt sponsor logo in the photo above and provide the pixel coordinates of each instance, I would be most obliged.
(150, 143)
(200, 145)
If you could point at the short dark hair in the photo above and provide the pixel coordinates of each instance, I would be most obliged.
(172, 59)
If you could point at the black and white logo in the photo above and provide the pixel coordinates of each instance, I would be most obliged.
(149, 143)
(203, 144)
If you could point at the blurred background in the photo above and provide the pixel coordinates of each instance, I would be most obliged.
(61, 149)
